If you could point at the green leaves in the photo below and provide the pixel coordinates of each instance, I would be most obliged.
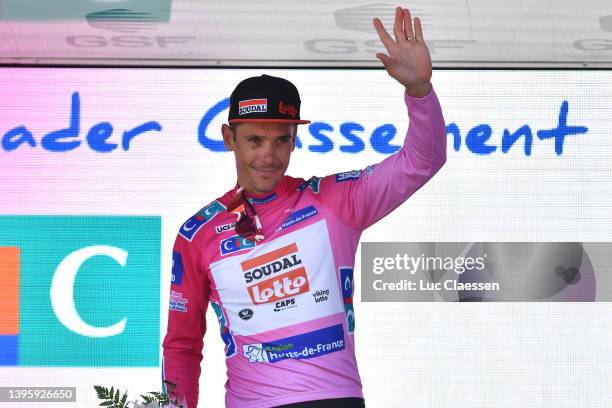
(112, 398)
(163, 399)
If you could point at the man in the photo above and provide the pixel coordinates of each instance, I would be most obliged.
(274, 255)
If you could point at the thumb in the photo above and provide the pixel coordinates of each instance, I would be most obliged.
(384, 59)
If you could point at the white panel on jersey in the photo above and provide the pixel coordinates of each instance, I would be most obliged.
(287, 281)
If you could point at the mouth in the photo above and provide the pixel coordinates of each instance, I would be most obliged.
(266, 171)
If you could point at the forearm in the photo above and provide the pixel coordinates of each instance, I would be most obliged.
(182, 368)
(425, 142)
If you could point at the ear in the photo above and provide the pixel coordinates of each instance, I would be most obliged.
(228, 137)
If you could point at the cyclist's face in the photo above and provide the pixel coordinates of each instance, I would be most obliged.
(262, 152)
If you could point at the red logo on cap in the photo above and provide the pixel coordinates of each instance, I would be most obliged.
(289, 109)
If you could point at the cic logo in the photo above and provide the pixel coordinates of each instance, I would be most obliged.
(79, 291)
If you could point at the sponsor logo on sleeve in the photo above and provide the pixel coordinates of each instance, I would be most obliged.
(177, 268)
(299, 216)
(314, 183)
(252, 105)
(177, 302)
(234, 244)
(301, 347)
(212, 209)
(348, 175)
(193, 224)
(368, 172)
(275, 275)
(226, 333)
(346, 279)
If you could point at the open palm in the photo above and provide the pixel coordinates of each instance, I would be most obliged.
(409, 61)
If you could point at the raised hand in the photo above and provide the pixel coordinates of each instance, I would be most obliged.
(408, 61)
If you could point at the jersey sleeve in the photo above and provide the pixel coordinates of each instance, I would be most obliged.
(183, 343)
(362, 197)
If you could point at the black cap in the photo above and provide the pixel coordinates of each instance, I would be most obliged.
(265, 98)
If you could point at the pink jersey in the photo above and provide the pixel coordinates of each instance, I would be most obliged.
(285, 304)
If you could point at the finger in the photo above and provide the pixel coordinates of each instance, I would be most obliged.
(418, 30)
(383, 34)
(398, 26)
(408, 24)
(385, 59)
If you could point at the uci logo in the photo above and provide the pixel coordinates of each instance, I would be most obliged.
(225, 227)
(70, 279)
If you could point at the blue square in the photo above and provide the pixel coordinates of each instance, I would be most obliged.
(8, 350)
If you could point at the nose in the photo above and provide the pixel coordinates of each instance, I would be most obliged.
(268, 153)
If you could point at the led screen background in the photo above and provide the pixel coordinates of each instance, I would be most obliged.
(411, 354)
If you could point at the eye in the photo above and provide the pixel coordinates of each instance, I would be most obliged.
(284, 139)
(254, 139)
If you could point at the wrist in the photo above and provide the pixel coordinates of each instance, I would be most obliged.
(420, 90)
